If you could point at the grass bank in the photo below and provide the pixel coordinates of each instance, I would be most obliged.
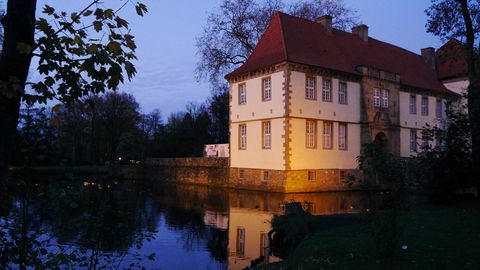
(432, 237)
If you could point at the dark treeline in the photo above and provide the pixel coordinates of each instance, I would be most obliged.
(109, 127)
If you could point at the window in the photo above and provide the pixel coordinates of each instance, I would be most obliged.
(384, 98)
(342, 136)
(327, 90)
(242, 130)
(242, 94)
(424, 141)
(264, 244)
(342, 93)
(439, 109)
(240, 242)
(241, 174)
(265, 176)
(311, 176)
(413, 104)
(413, 140)
(310, 88)
(311, 130)
(424, 106)
(376, 97)
(267, 134)
(267, 89)
(327, 135)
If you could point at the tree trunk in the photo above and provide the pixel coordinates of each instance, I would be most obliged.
(19, 27)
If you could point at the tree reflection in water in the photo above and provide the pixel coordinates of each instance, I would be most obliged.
(94, 222)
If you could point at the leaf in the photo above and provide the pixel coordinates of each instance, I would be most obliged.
(87, 13)
(108, 13)
(48, 10)
(130, 42)
(24, 48)
(114, 47)
(121, 22)
(57, 107)
(141, 9)
(97, 25)
(92, 48)
(130, 69)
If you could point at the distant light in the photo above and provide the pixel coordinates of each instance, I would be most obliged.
(119, 158)
(404, 247)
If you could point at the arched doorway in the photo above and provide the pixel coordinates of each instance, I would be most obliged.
(381, 140)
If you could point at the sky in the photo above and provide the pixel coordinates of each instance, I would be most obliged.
(166, 52)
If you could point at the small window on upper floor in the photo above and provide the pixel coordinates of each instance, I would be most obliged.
(376, 97)
(424, 106)
(439, 109)
(310, 88)
(413, 104)
(327, 90)
(384, 98)
(342, 93)
(267, 89)
(242, 94)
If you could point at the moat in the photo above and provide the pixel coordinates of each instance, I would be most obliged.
(118, 223)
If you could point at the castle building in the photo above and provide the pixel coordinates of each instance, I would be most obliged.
(310, 95)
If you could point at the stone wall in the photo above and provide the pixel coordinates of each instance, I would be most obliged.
(202, 171)
(217, 173)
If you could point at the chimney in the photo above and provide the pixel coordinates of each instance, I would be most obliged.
(326, 21)
(361, 31)
(428, 54)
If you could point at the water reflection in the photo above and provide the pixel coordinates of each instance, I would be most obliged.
(187, 227)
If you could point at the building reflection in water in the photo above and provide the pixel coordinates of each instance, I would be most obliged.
(247, 215)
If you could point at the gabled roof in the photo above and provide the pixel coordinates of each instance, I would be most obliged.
(451, 60)
(293, 39)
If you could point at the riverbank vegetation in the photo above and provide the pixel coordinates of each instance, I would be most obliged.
(430, 237)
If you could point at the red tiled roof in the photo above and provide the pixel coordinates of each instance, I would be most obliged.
(451, 60)
(293, 39)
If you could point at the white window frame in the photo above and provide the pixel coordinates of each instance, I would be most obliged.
(267, 134)
(385, 97)
(413, 104)
(376, 97)
(242, 133)
(342, 93)
(242, 93)
(310, 88)
(327, 135)
(310, 134)
(424, 106)
(240, 242)
(342, 136)
(326, 90)
(267, 89)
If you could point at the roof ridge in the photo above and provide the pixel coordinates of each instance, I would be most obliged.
(279, 14)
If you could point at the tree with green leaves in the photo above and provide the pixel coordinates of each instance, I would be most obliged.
(461, 19)
(78, 53)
